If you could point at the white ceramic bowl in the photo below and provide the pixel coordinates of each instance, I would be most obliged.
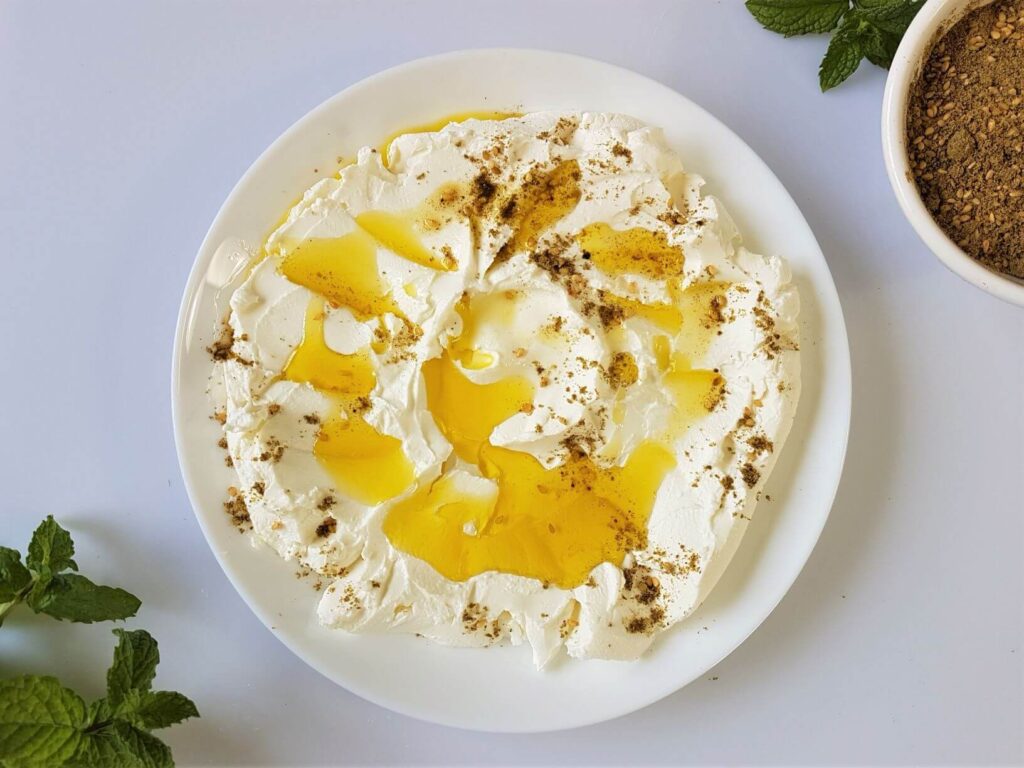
(936, 16)
(497, 689)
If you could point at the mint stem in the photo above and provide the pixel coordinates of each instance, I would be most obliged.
(18, 598)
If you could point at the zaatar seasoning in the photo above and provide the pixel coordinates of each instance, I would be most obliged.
(965, 134)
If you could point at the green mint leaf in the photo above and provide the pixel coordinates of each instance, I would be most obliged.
(14, 576)
(75, 598)
(102, 747)
(37, 594)
(119, 745)
(890, 16)
(146, 749)
(41, 721)
(160, 709)
(883, 24)
(878, 45)
(51, 548)
(843, 56)
(127, 708)
(798, 17)
(99, 711)
(134, 666)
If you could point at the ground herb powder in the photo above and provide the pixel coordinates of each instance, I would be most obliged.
(965, 134)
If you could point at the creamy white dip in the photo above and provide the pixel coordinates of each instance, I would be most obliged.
(738, 314)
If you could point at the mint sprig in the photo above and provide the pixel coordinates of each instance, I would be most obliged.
(861, 29)
(42, 723)
(43, 584)
(798, 17)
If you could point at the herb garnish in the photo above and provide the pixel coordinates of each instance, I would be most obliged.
(41, 582)
(863, 29)
(42, 723)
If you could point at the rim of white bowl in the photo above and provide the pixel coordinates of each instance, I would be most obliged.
(906, 65)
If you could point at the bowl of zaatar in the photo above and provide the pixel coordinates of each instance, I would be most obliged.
(953, 138)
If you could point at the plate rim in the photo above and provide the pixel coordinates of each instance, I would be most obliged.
(840, 368)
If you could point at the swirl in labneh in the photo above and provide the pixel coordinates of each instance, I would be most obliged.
(512, 380)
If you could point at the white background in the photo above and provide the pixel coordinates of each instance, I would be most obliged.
(122, 128)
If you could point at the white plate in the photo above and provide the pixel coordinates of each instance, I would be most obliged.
(497, 689)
